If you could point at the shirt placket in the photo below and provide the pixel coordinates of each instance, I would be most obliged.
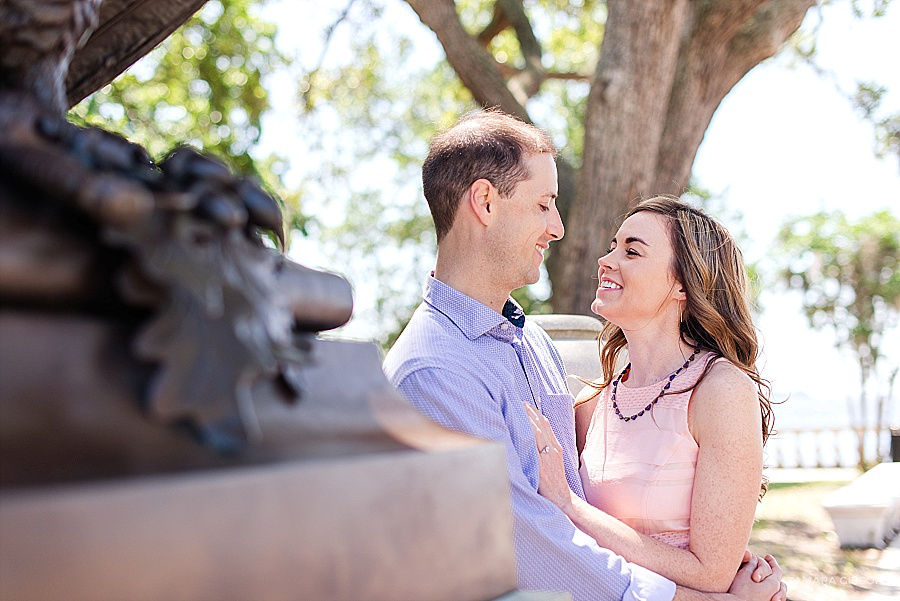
(530, 371)
(529, 367)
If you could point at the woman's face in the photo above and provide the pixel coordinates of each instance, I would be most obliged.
(637, 285)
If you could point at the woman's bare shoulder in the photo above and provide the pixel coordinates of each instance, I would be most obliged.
(726, 379)
(725, 399)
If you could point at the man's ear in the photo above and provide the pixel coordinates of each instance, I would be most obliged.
(480, 196)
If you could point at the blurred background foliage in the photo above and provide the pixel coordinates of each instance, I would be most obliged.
(203, 86)
(849, 274)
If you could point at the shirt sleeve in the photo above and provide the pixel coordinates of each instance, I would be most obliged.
(551, 553)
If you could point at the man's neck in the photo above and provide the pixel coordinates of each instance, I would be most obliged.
(472, 279)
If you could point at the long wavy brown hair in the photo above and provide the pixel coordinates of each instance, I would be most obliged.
(716, 318)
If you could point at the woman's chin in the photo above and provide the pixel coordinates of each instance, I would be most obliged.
(604, 311)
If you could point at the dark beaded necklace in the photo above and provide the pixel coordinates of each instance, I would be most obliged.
(615, 387)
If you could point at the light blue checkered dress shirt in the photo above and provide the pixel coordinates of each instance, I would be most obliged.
(468, 368)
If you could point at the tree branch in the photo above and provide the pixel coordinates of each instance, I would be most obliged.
(529, 80)
(473, 63)
(510, 71)
(326, 43)
(528, 42)
(723, 41)
(498, 23)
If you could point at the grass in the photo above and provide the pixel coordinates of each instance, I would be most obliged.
(792, 526)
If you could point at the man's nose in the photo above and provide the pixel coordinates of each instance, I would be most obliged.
(555, 227)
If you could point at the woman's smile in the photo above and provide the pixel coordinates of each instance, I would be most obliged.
(608, 284)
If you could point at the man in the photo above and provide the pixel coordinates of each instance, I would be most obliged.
(469, 359)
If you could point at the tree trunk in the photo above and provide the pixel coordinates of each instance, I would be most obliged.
(710, 63)
(862, 426)
(664, 69)
(623, 127)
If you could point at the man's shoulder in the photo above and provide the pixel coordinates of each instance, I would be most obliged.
(541, 341)
(429, 340)
(536, 335)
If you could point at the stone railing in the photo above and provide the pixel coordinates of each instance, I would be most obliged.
(826, 447)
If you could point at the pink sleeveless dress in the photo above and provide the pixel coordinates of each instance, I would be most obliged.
(642, 471)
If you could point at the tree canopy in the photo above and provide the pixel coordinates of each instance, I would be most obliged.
(625, 89)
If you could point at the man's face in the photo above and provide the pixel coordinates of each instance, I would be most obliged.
(526, 222)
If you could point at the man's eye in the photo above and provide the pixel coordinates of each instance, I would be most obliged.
(544, 207)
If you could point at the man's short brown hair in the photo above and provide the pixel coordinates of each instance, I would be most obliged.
(487, 145)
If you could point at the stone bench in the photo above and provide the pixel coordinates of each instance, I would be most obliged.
(866, 512)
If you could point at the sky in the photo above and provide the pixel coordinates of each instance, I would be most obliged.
(784, 142)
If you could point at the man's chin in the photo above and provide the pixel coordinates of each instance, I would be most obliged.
(528, 281)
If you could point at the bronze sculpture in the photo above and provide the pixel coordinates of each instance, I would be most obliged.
(170, 424)
(179, 244)
(37, 42)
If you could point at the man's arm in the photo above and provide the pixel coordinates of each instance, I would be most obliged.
(551, 553)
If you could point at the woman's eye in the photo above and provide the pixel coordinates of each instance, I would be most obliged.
(632, 253)
(544, 207)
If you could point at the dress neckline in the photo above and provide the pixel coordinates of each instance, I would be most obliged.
(701, 360)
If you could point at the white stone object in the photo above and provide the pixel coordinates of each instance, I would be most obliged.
(866, 512)
(576, 338)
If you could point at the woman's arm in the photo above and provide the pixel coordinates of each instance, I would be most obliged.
(724, 419)
(746, 586)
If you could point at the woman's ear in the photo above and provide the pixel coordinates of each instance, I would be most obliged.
(679, 292)
(481, 194)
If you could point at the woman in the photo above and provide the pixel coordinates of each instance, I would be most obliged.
(671, 444)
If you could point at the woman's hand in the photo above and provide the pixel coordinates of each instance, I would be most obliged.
(553, 484)
(768, 588)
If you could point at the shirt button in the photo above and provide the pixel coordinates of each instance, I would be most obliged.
(504, 326)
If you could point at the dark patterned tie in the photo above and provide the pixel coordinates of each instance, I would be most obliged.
(514, 314)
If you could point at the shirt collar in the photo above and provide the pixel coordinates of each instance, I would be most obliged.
(470, 316)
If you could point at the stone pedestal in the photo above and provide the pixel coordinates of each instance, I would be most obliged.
(400, 525)
(348, 494)
(576, 338)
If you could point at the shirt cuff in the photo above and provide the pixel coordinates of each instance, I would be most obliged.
(648, 586)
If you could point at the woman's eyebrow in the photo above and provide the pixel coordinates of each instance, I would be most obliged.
(634, 239)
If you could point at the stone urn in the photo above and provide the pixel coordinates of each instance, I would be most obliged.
(576, 338)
